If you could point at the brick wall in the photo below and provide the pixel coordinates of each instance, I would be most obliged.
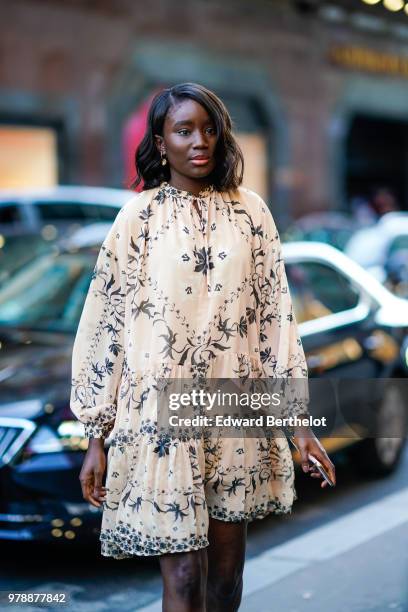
(73, 54)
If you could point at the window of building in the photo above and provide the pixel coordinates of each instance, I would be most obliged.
(376, 157)
(28, 157)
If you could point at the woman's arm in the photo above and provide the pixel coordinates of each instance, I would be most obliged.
(282, 352)
(92, 473)
(98, 350)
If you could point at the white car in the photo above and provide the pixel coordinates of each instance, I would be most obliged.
(354, 331)
(31, 220)
(372, 247)
(62, 207)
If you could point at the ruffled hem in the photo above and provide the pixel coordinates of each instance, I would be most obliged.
(160, 488)
(261, 511)
(125, 542)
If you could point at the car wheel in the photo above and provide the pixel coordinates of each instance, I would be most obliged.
(380, 454)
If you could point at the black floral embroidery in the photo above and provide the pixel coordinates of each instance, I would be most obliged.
(227, 330)
(203, 260)
(90, 380)
(162, 446)
(145, 214)
(126, 541)
(144, 307)
(250, 315)
(242, 327)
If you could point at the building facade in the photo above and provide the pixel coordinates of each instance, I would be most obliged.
(318, 91)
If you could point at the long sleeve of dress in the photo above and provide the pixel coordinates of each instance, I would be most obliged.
(98, 350)
(281, 349)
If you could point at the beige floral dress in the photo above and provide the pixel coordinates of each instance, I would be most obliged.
(184, 286)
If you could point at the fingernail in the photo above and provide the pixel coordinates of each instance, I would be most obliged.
(305, 468)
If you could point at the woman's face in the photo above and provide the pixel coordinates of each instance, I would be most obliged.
(189, 140)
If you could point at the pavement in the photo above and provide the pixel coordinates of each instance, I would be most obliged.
(341, 550)
(370, 578)
(355, 563)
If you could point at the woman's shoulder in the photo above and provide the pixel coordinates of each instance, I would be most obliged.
(253, 201)
(129, 219)
(249, 197)
(137, 203)
(259, 210)
(136, 210)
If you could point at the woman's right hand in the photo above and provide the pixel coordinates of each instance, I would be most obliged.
(92, 472)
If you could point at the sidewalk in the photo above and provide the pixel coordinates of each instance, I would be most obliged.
(357, 563)
(372, 577)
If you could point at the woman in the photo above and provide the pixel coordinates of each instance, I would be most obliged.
(189, 283)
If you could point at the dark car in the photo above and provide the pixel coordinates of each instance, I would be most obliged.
(338, 305)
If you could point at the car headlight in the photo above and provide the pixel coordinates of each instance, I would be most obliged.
(73, 429)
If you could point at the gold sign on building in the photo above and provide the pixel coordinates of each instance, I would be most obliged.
(367, 60)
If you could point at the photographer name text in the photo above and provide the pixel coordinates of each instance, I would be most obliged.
(268, 420)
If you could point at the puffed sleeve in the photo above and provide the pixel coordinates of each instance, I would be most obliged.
(281, 349)
(98, 349)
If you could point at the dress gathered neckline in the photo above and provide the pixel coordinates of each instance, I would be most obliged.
(175, 193)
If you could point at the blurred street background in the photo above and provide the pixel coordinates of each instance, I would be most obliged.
(318, 94)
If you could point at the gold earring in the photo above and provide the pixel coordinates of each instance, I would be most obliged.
(163, 159)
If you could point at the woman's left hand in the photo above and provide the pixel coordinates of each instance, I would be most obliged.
(309, 444)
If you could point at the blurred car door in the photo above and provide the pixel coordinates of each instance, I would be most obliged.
(341, 337)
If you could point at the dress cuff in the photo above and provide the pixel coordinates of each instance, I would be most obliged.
(95, 430)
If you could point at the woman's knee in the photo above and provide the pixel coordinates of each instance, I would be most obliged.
(226, 584)
(185, 576)
(189, 581)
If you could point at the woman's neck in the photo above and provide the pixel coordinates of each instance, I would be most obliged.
(184, 183)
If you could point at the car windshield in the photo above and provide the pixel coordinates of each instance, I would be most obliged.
(48, 293)
(17, 251)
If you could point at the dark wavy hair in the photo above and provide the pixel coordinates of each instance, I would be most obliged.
(229, 161)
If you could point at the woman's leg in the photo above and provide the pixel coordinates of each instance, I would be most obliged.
(226, 558)
(184, 581)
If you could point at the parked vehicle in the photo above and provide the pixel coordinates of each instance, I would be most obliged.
(383, 250)
(65, 208)
(17, 251)
(31, 221)
(350, 325)
(332, 228)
